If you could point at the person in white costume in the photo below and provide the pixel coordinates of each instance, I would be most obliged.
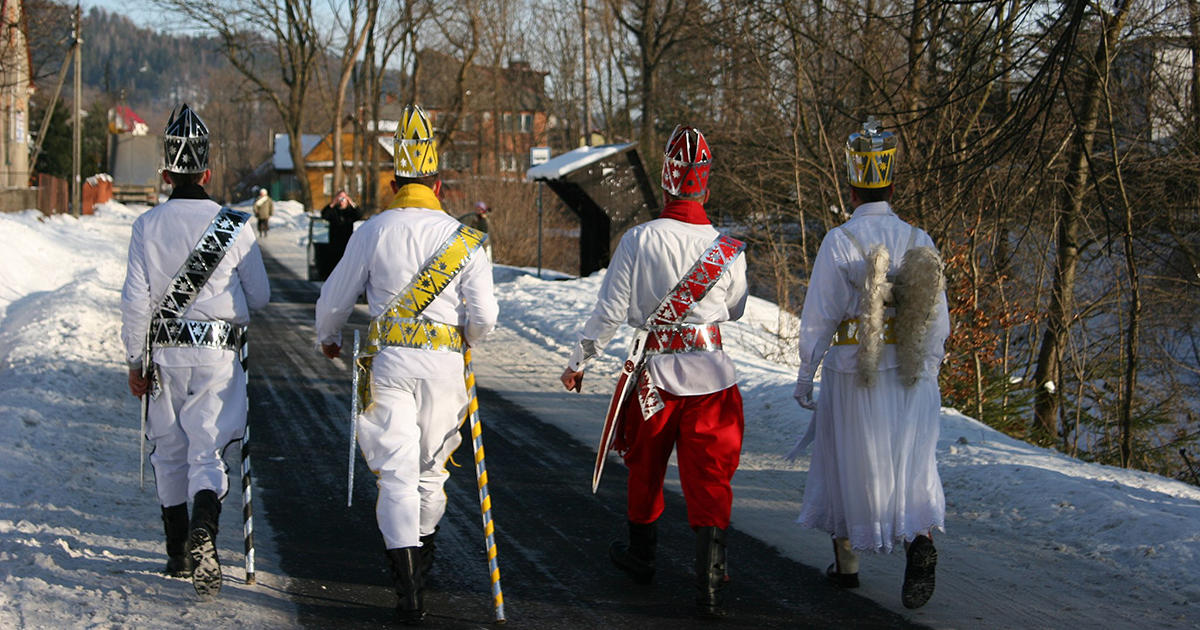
(875, 317)
(418, 397)
(201, 405)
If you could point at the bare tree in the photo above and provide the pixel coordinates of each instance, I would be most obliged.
(276, 45)
(355, 30)
(656, 26)
(1047, 379)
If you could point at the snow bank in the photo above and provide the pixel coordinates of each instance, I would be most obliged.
(80, 546)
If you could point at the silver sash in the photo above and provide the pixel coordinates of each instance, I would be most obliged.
(168, 328)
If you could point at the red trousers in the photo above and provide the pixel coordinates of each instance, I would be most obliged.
(706, 432)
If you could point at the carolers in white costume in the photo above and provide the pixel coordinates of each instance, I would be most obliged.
(875, 318)
(416, 397)
(194, 274)
(686, 394)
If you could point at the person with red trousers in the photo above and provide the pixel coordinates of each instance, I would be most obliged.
(686, 398)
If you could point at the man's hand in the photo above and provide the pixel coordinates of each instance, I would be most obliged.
(804, 395)
(573, 381)
(138, 384)
(331, 350)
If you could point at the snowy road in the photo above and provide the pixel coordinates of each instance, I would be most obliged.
(552, 534)
(1035, 539)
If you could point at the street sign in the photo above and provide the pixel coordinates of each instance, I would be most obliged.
(539, 155)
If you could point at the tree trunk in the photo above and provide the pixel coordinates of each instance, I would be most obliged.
(1193, 7)
(647, 144)
(354, 45)
(1048, 376)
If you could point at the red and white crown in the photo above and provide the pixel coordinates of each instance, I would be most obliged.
(685, 163)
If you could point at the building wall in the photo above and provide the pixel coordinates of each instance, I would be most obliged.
(492, 143)
(15, 92)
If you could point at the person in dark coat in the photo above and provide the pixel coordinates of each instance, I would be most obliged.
(341, 213)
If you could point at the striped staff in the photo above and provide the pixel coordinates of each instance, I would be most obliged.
(485, 499)
(247, 512)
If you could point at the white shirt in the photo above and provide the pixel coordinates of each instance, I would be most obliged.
(836, 283)
(383, 256)
(163, 238)
(649, 262)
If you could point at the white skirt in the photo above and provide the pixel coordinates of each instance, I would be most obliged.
(873, 477)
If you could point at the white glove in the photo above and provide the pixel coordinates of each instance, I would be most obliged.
(804, 395)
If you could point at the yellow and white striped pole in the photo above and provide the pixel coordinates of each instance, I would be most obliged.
(485, 499)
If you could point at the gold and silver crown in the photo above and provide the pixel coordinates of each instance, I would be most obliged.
(871, 156)
(415, 152)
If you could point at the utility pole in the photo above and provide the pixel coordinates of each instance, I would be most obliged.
(587, 88)
(77, 134)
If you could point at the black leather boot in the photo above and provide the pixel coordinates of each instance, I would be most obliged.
(406, 574)
(202, 544)
(175, 524)
(428, 547)
(710, 571)
(919, 578)
(637, 556)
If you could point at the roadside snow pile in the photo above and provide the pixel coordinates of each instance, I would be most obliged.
(80, 546)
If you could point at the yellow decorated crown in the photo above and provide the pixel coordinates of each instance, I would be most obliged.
(415, 152)
(871, 156)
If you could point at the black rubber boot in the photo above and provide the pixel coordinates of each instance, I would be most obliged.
(428, 547)
(710, 571)
(202, 544)
(175, 525)
(843, 573)
(919, 573)
(406, 574)
(637, 556)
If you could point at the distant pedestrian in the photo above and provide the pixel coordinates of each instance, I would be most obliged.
(875, 315)
(479, 221)
(341, 213)
(193, 277)
(263, 209)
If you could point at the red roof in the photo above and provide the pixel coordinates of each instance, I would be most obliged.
(128, 116)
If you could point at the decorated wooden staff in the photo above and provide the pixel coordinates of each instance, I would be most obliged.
(247, 511)
(485, 499)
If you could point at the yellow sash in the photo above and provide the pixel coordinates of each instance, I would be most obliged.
(398, 325)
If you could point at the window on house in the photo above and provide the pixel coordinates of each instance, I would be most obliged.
(508, 122)
(327, 185)
(508, 162)
(526, 123)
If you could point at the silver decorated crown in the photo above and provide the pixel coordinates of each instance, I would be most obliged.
(185, 142)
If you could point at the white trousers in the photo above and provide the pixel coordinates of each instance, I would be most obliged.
(199, 412)
(406, 436)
